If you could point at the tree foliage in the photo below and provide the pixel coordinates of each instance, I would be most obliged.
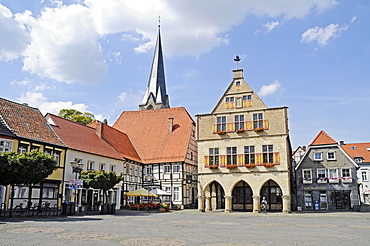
(27, 168)
(76, 116)
(99, 179)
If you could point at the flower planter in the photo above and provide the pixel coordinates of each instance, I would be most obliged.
(240, 130)
(307, 181)
(231, 166)
(250, 165)
(213, 167)
(221, 132)
(258, 129)
(268, 164)
(347, 180)
(162, 210)
(333, 180)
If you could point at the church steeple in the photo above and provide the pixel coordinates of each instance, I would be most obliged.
(156, 96)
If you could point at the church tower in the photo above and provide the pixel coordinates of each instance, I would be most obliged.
(156, 96)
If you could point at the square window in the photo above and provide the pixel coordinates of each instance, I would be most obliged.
(317, 156)
(331, 156)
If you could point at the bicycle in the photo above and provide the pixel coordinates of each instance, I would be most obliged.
(44, 210)
(19, 209)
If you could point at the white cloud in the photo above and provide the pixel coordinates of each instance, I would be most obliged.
(267, 90)
(63, 42)
(269, 26)
(14, 37)
(323, 36)
(130, 99)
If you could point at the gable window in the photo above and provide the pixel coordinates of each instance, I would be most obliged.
(167, 168)
(213, 156)
(268, 153)
(333, 175)
(321, 175)
(331, 156)
(229, 99)
(237, 83)
(90, 165)
(364, 175)
(5, 146)
(257, 121)
(221, 124)
(231, 155)
(307, 176)
(249, 156)
(247, 97)
(176, 168)
(317, 156)
(239, 122)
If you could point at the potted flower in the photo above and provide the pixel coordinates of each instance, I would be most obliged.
(163, 207)
(231, 166)
(250, 165)
(240, 130)
(258, 129)
(268, 164)
(221, 132)
(213, 167)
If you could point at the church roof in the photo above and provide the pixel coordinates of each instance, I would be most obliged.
(323, 138)
(82, 138)
(20, 120)
(155, 136)
(157, 85)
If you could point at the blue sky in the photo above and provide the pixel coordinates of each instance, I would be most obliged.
(311, 56)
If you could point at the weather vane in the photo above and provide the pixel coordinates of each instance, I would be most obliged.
(159, 21)
(237, 59)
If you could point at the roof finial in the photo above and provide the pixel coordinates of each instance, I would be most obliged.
(159, 21)
(237, 59)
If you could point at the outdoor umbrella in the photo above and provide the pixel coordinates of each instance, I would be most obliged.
(140, 192)
(160, 192)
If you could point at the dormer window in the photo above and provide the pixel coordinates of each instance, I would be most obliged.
(317, 156)
(331, 156)
(358, 159)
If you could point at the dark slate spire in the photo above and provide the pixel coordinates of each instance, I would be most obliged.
(156, 96)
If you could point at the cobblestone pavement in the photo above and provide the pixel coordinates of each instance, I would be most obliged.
(188, 227)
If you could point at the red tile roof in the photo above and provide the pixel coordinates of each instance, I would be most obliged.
(323, 138)
(358, 150)
(150, 135)
(27, 122)
(82, 138)
(118, 140)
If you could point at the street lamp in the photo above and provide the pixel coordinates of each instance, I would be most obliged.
(77, 167)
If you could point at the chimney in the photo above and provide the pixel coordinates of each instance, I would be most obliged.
(105, 122)
(99, 128)
(341, 142)
(170, 124)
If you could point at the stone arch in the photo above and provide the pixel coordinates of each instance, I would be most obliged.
(214, 194)
(273, 193)
(242, 196)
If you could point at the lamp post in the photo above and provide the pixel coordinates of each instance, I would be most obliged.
(77, 167)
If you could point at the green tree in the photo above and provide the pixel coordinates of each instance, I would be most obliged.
(99, 179)
(77, 116)
(27, 168)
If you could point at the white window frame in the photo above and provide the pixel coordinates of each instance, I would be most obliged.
(112, 168)
(176, 193)
(176, 168)
(5, 145)
(317, 153)
(358, 159)
(331, 158)
(307, 180)
(364, 176)
(148, 170)
(90, 165)
(167, 169)
(324, 179)
(102, 166)
(348, 178)
(333, 179)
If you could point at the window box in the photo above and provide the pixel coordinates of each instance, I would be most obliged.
(221, 132)
(231, 166)
(213, 167)
(268, 164)
(240, 130)
(322, 180)
(307, 181)
(347, 179)
(258, 129)
(250, 165)
(333, 180)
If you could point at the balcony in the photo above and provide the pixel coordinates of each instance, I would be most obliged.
(347, 180)
(333, 180)
(307, 181)
(322, 180)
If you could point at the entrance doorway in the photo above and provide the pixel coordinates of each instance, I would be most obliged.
(341, 199)
(217, 196)
(272, 192)
(242, 197)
